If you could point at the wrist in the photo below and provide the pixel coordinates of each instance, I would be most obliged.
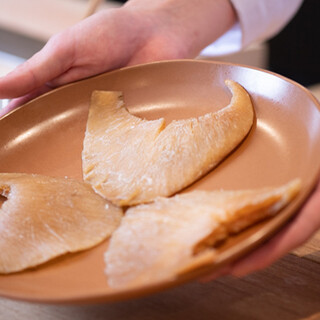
(194, 24)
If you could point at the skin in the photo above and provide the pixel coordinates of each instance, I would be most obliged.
(139, 32)
(142, 31)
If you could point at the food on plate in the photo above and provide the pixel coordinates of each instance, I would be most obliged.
(155, 242)
(44, 217)
(130, 160)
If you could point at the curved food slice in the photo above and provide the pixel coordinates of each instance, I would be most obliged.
(44, 217)
(157, 241)
(129, 160)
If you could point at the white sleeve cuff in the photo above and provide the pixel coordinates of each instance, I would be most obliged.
(228, 43)
(262, 19)
(259, 20)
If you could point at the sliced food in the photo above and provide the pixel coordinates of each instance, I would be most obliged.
(130, 160)
(156, 242)
(43, 217)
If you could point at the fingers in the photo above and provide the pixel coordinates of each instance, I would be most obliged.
(15, 103)
(74, 74)
(219, 273)
(295, 234)
(55, 58)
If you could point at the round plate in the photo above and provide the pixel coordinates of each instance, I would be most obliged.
(45, 136)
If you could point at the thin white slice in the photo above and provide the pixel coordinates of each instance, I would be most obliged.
(129, 160)
(157, 241)
(44, 217)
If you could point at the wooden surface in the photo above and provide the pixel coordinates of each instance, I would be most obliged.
(289, 289)
(310, 250)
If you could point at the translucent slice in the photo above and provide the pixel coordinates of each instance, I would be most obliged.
(44, 217)
(157, 241)
(129, 160)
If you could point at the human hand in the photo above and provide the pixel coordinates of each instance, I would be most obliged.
(139, 32)
(297, 232)
(102, 42)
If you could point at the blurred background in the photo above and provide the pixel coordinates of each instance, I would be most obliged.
(25, 26)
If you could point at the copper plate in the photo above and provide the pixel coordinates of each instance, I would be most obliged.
(45, 136)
